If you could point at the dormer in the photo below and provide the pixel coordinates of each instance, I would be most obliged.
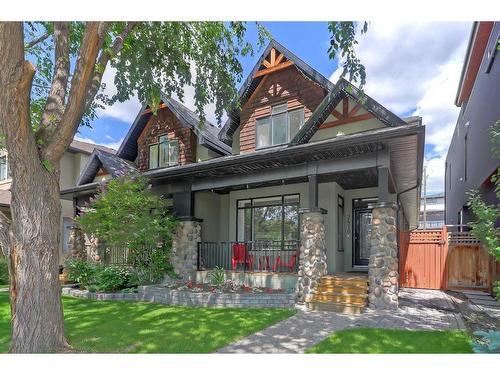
(173, 136)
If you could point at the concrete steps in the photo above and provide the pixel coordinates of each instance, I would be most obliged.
(345, 294)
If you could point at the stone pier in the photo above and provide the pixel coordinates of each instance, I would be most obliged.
(185, 247)
(312, 260)
(383, 264)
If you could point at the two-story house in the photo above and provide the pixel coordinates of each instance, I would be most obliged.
(296, 171)
(470, 162)
(72, 164)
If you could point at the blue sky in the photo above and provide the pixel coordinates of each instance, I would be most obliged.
(412, 69)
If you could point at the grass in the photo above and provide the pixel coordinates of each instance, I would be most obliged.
(133, 327)
(2, 286)
(388, 341)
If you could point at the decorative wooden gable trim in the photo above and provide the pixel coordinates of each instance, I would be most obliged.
(274, 62)
(102, 172)
(347, 116)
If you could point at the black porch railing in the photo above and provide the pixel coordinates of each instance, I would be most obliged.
(270, 256)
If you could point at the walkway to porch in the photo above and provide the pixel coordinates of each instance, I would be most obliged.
(419, 309)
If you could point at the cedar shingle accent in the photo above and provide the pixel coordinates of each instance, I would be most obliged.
(285, 85)
(165, 123)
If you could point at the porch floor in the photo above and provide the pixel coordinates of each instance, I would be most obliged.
(419, 309)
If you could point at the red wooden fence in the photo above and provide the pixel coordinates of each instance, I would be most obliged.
(439, 259)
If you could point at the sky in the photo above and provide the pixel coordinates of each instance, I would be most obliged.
(413, 69)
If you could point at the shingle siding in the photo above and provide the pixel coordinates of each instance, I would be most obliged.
(165, 123)
(287, 85)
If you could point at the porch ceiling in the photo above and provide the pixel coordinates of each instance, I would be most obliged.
(355, 179)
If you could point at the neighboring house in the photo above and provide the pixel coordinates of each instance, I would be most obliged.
(299, 144)
(469, 163)
(431, 211)
(71, 164)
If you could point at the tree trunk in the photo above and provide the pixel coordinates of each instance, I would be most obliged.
(34, 234)
(37, 315)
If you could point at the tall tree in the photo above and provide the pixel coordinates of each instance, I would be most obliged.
(51, 78)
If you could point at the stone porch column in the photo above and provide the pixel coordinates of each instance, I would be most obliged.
(76, 243)
(185, 247)
(312, 259)
(383, 264)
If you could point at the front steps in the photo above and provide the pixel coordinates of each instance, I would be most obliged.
(346, 294)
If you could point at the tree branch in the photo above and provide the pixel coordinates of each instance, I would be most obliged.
(54, 107)
(80, 83)
(35, 41)
(104, 58)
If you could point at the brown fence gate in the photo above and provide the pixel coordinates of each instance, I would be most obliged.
(444, 258)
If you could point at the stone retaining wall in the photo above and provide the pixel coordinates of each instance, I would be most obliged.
(68, 291)
(159, 294)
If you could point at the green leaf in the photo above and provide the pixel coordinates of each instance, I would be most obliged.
(48, 166)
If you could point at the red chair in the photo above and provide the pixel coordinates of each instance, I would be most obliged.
(241, 256)
(290, 265)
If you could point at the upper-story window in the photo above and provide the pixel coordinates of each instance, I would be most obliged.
(278, 128)
(4, 168)
(165, 153)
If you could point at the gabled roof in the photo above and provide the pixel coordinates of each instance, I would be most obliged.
(252, 82)
(87, 148)
(113, 164)
(342, 89)
(206, 132)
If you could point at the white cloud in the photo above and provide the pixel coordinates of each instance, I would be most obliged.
(126, 111)
(414, 68)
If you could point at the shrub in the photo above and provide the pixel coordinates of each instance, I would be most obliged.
(217, 276)
(490, 342)
(4, 271)
(83, 272)
(150, 265)
(112, 279)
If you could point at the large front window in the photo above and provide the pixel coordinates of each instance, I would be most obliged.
(278, 128)
(268, 219)
(165, 153)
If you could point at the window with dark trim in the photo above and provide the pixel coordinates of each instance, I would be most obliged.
(278, 128)
(273, 218)
(165, 153)
(340, 223)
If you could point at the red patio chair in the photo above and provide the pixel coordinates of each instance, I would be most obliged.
(241, 256)
(290, 265)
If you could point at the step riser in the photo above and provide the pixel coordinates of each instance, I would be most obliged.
(346, 295)
(341, 290)
(353, 300)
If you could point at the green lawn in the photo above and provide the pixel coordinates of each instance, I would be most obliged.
(378, 341)
(132, 327)
(4, 286)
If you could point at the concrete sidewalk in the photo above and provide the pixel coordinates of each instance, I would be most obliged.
(419, 309)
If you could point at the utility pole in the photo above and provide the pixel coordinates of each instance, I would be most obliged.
(425, 197)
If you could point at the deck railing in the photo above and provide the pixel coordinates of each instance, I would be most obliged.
(268, 256)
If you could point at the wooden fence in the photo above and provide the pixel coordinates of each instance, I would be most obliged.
(445, 258)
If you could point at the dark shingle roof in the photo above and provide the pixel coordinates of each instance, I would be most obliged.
(87, 148)
(206, 132)
(251, 83)
(342, 89)
(113, 164)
